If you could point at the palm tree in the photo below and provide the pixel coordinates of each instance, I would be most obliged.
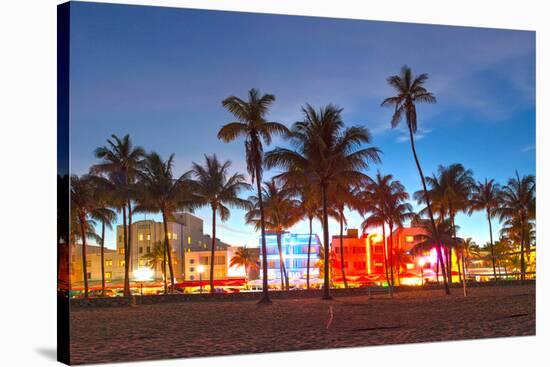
(252, 125)
(342, 195)
(213, 187)
(309, 202)
(159, 191)
(102, 212)
(244, 257)
(155, 258)
(518, 204)
(442, 234)
(410, 91)
(120, 160)
(385, 199)
(450, 191)
(281, 211)
(82, 204)
(486, 196)
(326, 150)
(398, 211)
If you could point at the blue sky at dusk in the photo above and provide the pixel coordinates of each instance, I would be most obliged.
(160, 75)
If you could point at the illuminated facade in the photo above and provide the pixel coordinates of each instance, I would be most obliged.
(294, 249)
(363, 255)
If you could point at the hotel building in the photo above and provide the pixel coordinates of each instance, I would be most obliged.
(294, 251)
(190, 248)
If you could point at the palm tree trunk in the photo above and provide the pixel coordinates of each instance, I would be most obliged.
(128, 253)
(522, 249)
(386, 258)
(326, 286)
(126, 265)
(309, 249)
(265, 294)
(164, 269)
(84, 261)
(492, 244)
(212, 252)
(342, 262)
(168, 251)
(430, 213)
(102, 258)
(390, 224)
(281, 261)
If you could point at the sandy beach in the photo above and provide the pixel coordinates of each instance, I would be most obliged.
(193, 329)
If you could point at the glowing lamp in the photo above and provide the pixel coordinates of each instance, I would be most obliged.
(143, 274)
(421, 262)
(377, 238)
(200, 269)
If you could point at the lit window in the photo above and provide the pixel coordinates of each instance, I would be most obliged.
(140, 236)
(108, 262)
(148, 237)
(121, 263)
(175, 236)
(169, 235)
(409, 238)
(410, 266)
(189, 240)
(141, 262)
(121, 250)
(108, 275)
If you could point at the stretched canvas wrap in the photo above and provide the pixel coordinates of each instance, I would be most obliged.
(235, 183)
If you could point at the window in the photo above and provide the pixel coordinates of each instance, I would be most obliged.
(191, 261)
(119, 238)
(192, 277)
(148, 237)
(409, 238)
(141, 262)
(189, 240)
(140, 236)
(141, 250)
(410, 266)
(109, 262)
(89, 275)
(108, 275)
(191, 269)
(174, 261)
(121, 250)
(169, 235)
(175, 235)
(88, 263)
(121, 263)
(203, 260)
(148, 249)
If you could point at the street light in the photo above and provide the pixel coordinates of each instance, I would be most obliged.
(200, 269)
(421, 263)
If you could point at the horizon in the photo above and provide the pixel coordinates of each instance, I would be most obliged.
(157, 81)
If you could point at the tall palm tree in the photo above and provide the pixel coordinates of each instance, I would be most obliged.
(120, 160)
(281, 211)
(214, 187)
(410, 90)
(486, 196)
(82, 204)
(159, 191)
(245, 258)
(518, 204)
(103, 192)
(326, 150)
(252, 125)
